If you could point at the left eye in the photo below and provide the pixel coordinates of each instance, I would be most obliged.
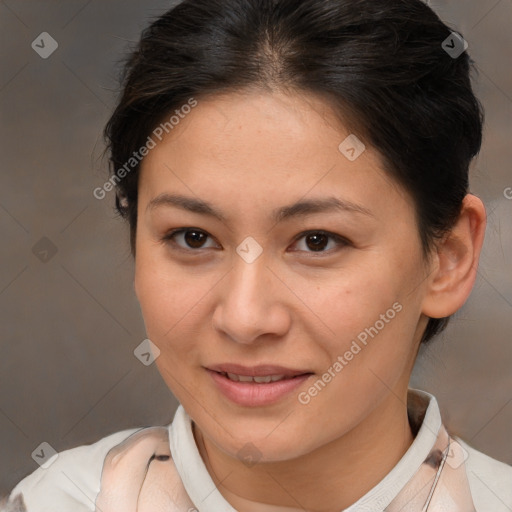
(317, 241)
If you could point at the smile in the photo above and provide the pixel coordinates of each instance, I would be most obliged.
(256, 391)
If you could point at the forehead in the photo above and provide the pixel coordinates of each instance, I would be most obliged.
(250, 148)
(277, 120)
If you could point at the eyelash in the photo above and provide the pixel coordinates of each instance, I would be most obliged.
(169, 238)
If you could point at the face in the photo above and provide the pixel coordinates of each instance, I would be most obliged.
(327, 292)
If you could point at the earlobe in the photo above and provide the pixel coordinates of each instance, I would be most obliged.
(456, 262)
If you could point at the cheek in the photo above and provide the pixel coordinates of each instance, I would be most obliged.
(162, 295)
(174, 304)
(348, 303)
(169, 307)
(368, 317)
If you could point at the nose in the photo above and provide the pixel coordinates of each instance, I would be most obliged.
(251, 303)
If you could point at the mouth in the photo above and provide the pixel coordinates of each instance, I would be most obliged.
(233, 370)
(257, 385)
(264, 379)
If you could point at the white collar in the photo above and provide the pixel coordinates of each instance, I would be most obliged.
(204, 493)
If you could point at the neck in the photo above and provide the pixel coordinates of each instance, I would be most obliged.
(330, 478)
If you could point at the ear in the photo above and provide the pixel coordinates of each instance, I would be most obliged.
(455, 262)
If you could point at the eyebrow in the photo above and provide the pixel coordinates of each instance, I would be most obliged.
(298, 209)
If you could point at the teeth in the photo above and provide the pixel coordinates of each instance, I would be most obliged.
(267, 378)
(261, 380)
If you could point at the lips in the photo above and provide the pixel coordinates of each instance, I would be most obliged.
(256, 386)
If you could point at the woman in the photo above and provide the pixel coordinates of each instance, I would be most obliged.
(295, 178)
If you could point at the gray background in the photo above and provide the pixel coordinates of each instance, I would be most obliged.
(69, 325)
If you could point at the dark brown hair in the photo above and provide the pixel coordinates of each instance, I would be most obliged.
(383, 66)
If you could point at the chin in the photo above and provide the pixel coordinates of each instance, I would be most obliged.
(259, 447)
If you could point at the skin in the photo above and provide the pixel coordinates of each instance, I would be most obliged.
(248, 154)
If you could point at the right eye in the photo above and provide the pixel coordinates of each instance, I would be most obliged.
(192, 239)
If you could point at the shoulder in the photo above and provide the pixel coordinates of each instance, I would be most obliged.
(490, 480)
(72, 480)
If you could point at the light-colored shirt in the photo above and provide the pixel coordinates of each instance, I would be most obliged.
(437, 473)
